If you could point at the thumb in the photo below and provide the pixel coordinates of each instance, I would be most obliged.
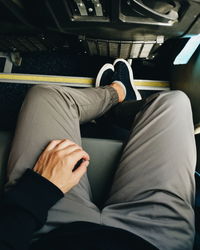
(81, 170)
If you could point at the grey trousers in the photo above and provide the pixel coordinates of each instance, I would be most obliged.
(152, 193)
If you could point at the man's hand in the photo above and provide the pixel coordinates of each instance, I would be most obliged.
(57, 162)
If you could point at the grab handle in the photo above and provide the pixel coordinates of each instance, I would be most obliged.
(171, 16)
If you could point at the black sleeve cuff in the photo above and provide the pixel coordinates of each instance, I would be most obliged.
(35, 194)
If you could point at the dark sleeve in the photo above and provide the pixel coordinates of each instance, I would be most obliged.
(24, 208)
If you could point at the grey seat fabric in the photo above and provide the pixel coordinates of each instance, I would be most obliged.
(104, 156)
(5, 141)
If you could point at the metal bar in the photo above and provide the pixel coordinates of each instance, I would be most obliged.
(124, 50)
(146, 50)
(113, 49)
(152, 88)
(103, 48)
(8, 63)
(8, 66)
(135, 51)
(45, 79)
(197, 129)
(151, 83)
(98, 7)
(92, 48)
(130, 61)
(75, 81)
(81, 7)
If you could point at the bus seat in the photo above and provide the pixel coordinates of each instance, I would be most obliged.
(104, 157)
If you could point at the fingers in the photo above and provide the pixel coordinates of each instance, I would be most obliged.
(57, 163)
(52, 144)
(65, 143)
(81, 170)
(68, 147)
(60, 144)
(75, 156)
(69, 151)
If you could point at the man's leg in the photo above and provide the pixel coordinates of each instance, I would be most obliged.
(53, 112)
(153, 189)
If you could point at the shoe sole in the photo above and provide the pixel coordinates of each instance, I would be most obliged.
(101, 71)
(138, 96)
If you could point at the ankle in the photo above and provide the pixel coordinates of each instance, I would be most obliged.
(120, 91)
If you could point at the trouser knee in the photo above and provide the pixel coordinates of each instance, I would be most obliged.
(176, 101)
(38, 91)
(49, 95)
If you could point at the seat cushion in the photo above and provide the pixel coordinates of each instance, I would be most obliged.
(104, 158)
(5, 141)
